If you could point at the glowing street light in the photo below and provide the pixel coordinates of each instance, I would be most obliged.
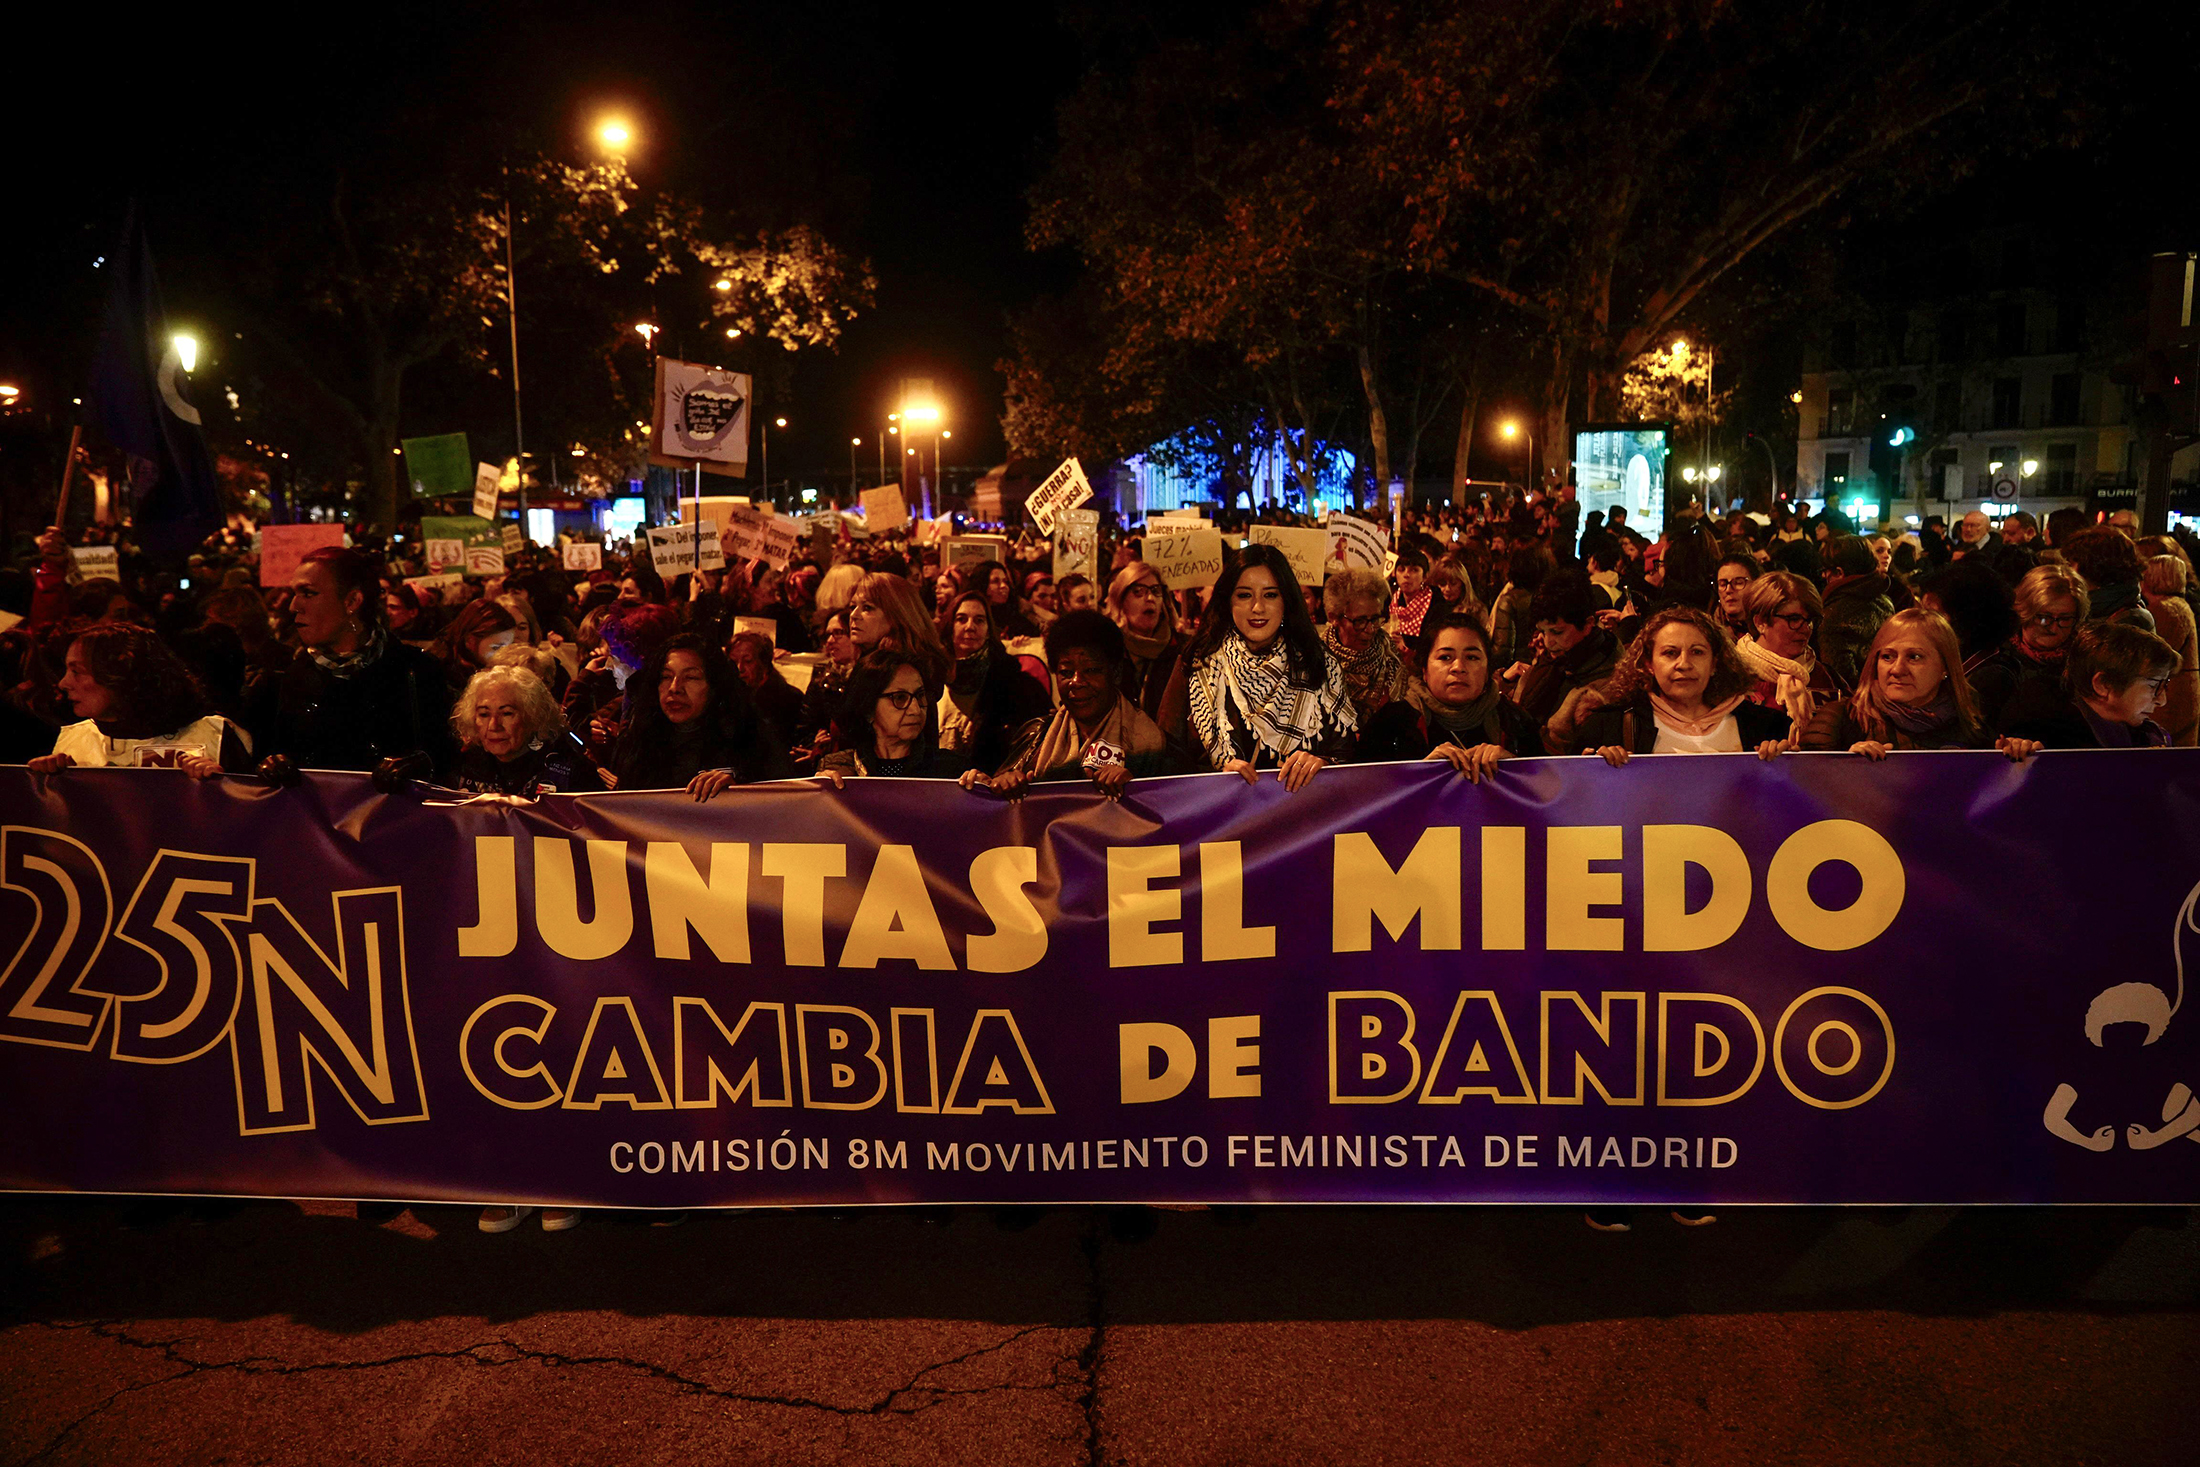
(648, 334)
(1689, 473)
(2031, 467)
(614, 136)
(721, 285)
(1508, 430)
(9, 392)
(1713, 473)
(1680, 347)
(187, 349)
(1796, 397)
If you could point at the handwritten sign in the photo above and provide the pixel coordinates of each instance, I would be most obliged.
(485, 560)
(436, 584)
(99, 563)
(1166, 525)
(780, 536)
(763, 626)
(486, 479)
(513, 539)
(1357, 541)
(439, 552)
(1184, 561)
(1062, 490)
(963, 549)
(283, 546)
(1307, 550)
(883, 509)
(1076, 543)
(674, 549)
(583, 555)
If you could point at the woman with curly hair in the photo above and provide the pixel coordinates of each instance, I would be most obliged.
(1912, 695)
(691, 725)
(139, 708)
(1681, 689)
(513, 739)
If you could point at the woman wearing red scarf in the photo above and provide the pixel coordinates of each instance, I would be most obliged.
(1680, 689)
(2051, 606)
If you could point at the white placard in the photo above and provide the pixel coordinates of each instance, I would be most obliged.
(962, 549)
(446, 552)
(1077, 543)
(96, 562)
(1187, 560)
(1307, 550)
(781, 535)
(763, 626)
(1357, 542)
(438, 584)
(486, 479)
(1064, 489)
(675, 549)
(485, 560)
(583, 555)
(883, 509)
(513, 538)
(702, 413)
(1161, 525)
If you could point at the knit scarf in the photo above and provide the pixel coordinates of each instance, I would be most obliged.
(2046, 661)
(369, 653)
(1243, 704)
(1881, 715)
(1468, 718)
(1695, 725)
(1371, 675)
(1146, 649)
(1125, 728)
(1789, 676)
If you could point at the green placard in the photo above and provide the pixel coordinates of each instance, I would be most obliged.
(439, 466)
(467, 529)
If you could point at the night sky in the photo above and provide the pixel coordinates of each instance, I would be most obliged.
(909, 134)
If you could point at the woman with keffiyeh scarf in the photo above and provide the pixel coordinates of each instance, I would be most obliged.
(1256, 689)
(1913, 696)
(1357, 601)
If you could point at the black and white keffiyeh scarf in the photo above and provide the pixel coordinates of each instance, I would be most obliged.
(1244, 705)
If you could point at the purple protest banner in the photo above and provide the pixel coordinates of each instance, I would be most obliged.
(1940, 979)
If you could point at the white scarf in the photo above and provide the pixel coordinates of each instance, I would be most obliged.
(1243, 704)
(1789, 676)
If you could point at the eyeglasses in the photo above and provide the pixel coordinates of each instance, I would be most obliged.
(1361, 623)
(1733, 583)
(2047, 622)
(2154, 685)
(1142, 588)
(900, 699)
(1795, 621)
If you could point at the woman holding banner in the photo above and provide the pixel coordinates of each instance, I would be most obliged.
(513, 739)
(1464, 717)
(1256, 688)
(691, 725)
(888, 725)
(991, 695)
(140, 708)
(1913, 695)
(1097, 732)
(1681, 689)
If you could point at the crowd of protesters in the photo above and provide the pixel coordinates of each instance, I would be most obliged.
(1510, 628)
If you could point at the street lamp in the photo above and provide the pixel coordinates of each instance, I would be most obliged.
(853, 445)
(1511, 429)
(648, 333)
(2031, 465)
(187, 349)
(614, 136)
(766, 430)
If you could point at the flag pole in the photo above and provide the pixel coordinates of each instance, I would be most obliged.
(68, 468)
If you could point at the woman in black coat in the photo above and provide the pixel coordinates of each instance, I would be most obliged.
(1464, 717)
(690, 725)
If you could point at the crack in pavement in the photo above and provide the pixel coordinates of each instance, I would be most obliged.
(502, 1351)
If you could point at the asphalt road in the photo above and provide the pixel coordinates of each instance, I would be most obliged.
(288, 1334)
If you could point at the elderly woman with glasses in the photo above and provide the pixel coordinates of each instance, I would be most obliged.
(1138, 602)
(2112, 682)
(2051, 604)
(1357, 604)
(1782, 610)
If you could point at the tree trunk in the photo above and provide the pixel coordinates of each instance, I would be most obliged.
(385, 483)
(1378, 429)
(1470, 405)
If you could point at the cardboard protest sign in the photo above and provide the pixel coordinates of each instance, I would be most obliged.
(883, 509)
(1062, 490)
(1168, 525)
(1357, 542)
(437, 584)
(780, 536)
(675, 549)
(445, 552)
(513, 538)
(283, 546)
(439, 467)
(1307, 550)
(1187, 560)
(486, 479)
(1077, 543)
(743, 536)
(583, 555)
(763, 626)
(962, 549)
(485, 560)
(701, 416)
(465, 528)
(96, 563)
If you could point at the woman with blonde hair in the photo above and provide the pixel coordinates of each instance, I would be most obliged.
(886, 614)
(1911, 694)
(512, 737)
(2163, 583)
(2051, 603)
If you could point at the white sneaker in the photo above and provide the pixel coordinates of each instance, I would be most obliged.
(560, 1219)
(502, 1219)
